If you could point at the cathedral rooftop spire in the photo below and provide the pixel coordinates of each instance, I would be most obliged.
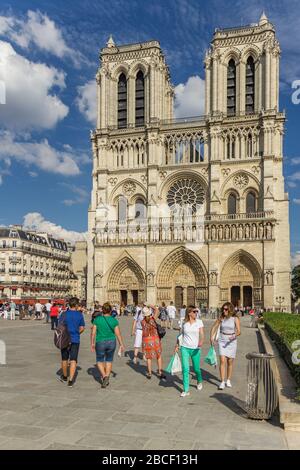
(110, 42)
(263, 19)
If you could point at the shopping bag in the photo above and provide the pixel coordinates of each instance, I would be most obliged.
(176, 367)
(211, 357)
(169, 366)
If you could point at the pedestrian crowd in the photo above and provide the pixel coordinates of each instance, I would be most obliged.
(150, 323)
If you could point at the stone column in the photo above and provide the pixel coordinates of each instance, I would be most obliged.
(241, 103)
(267, 79)
(207, 85)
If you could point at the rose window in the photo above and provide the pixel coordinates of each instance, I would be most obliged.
(185, 193)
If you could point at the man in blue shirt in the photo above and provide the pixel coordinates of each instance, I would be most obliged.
(74, 321)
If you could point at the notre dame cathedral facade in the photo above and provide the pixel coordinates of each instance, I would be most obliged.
(192, 209)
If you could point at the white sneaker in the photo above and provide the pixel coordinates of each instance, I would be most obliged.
(185, 394)
(199, 386)
(228, 384)
(222, 386)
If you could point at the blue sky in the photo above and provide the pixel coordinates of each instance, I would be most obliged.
(48, 59)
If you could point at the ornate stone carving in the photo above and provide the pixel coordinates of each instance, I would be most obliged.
(163, 174)
(144, 178)
(98, 279)
(186, 192)
(241, 180)
(113, 181)
(226, 171)
(269, 276)
(256, 169)
(213, 277)
(129, 188)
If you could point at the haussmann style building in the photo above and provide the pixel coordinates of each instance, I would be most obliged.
(191, 210)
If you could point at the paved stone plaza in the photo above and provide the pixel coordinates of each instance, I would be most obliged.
(39, 412)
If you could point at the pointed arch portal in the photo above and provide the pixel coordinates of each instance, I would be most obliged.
(182, 278)
(126, 282)
(241, 280)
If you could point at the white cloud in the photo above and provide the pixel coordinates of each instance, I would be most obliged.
(291, 184)
(295, 259)
(190, 98)
(38, 29)
(33, 174)
(295, 176)
(296, 201)
(87, 101)
(295, 161)
(41, 154)
(35, 221)
(31, 103)
(81, 194)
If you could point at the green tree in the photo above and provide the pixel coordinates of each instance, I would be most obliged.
(296, 282)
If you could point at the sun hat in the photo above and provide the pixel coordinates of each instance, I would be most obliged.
(147, 312)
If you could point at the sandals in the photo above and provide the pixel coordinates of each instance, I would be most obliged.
(161, 376)
(148, 375)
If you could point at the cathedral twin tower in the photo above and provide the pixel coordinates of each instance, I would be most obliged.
(193, 209)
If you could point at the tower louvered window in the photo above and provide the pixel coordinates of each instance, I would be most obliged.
(139, 100)
(122, 101)
(231, 88)
(250, 85)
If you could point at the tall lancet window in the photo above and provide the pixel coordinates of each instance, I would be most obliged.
(139, 100)
(122, 101)
(231, 88)
(250, 85)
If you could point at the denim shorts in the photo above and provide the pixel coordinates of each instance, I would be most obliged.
(105, 350)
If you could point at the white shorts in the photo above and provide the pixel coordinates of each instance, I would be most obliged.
(171, 316)
(138, 339)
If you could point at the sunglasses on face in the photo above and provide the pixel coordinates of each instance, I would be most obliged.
(226, 308)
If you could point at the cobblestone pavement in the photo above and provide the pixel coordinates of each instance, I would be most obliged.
(39, 412)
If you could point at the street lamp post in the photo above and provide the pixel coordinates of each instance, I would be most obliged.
(280, 301)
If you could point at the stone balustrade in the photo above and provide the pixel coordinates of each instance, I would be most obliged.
(211, 228)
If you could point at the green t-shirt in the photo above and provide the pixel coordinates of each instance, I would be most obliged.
(105, 328)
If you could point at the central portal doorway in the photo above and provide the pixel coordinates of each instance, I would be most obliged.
(135, 296)
(247, 296)
(124, 297)
(178, 296)
(236, 296)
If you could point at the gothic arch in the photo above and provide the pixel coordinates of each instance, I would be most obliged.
(115, 283)
(173, 260)
(119, 69)
(245, 258)
(250, 50)
(181, 258)
(233, 53)
(139, 65)
(241, 270)
(136, 188)
(253, 182)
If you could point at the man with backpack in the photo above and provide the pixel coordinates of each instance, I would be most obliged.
(73, 321)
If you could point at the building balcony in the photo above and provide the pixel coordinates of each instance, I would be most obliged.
(194, 229)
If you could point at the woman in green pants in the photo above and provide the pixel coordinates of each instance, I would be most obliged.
(191, 340)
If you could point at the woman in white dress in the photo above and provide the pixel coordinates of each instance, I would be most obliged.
(227, 328)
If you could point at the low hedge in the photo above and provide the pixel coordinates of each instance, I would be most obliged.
(284, 329)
